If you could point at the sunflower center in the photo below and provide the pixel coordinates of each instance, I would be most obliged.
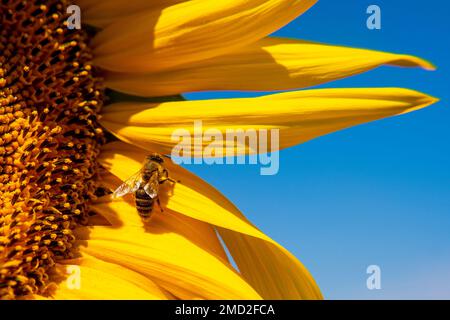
(50, 138)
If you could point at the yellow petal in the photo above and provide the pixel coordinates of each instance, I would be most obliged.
(167, 257)
(191, 194)
(101, 13)
(300, 116)
(122, 213)
(270, 64)
(190, 31)
(279, 275)
(274, 272)
(102, 280)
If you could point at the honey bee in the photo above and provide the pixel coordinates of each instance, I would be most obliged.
(145, 185)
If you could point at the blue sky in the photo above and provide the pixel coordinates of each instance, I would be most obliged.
(374, 194)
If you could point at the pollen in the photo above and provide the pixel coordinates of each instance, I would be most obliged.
(50, 99)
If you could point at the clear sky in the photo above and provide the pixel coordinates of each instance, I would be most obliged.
(374, 194)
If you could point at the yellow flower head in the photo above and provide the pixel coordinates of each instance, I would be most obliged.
(59, 165)
(49, 104)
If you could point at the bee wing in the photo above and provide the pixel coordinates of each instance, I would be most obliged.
(129, 186)
(152, 186)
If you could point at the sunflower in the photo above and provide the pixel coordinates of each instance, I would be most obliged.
(80, 112)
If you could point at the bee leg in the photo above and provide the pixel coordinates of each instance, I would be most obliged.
(168, 179)
(159, 205)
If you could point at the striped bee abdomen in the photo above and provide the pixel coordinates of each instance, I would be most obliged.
(144, 204)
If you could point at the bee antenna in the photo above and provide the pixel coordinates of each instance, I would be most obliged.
(167, 156)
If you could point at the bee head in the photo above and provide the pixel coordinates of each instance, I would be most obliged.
(155, 157)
